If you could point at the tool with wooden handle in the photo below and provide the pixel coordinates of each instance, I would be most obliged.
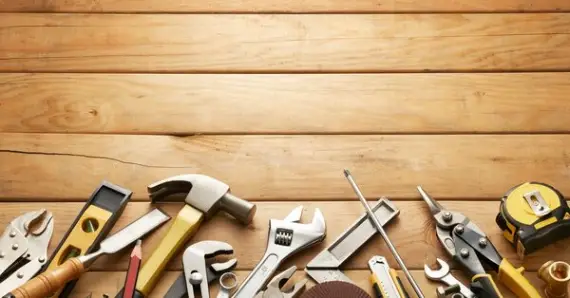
(51, 281)
(91, 226)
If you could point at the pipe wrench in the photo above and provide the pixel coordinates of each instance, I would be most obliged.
(286, 237)
(197, 273)
(23, 248)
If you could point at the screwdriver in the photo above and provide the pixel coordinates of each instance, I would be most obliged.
(376, 223)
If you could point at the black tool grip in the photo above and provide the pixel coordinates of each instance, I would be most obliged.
(483, 286)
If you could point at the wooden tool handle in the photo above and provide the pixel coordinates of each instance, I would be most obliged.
(47, 283)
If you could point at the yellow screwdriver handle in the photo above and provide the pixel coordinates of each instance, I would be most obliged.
(516, 282)
(183, 227)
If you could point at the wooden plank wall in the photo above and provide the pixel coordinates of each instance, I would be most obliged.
(467, 98)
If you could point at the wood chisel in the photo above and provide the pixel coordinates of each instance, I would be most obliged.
(89, 228)
(385, 280)
(48, 282)
(533, 215)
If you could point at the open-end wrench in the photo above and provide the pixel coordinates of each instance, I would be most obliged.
(443, 274)
(286, 237)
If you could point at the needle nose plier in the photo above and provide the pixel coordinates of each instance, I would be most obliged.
(470, 247)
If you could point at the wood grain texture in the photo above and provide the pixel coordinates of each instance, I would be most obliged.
(290, 104)
(99, 283)
(413, 232)
(297, 6)
(69, 167)
(283, 43)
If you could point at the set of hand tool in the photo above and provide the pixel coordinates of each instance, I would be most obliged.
(531, 215)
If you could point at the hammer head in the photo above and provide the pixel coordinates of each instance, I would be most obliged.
(205, 194)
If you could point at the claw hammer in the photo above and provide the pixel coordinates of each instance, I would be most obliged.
(205, 196)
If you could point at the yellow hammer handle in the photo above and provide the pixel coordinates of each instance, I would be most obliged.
(183, 227)
(51, 281)
(516, 282)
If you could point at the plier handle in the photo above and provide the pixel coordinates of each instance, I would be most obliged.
(470, 247)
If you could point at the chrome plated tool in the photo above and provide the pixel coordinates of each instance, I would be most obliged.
(326, 265)
(197, 272)
(470, 247)
(228, 282)
(204, 197)
(49, 282)
(443, 274)
(274, 287)
(286, 237)
(23, 248)
(383, 233)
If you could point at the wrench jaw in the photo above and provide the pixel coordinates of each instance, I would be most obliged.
(287, 237)
(437, 274)
(196, 270)
(274, 287)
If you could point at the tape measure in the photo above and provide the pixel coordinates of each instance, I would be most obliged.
(533, 215)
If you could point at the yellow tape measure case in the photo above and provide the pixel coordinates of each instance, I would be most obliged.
(533, 215)
(90, 227)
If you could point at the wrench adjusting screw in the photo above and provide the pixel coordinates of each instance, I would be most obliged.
(284, 237)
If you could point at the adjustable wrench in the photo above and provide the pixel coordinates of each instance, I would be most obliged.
(444, 275)
(286, 237)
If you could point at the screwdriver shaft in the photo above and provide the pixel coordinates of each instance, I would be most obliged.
(376, 222)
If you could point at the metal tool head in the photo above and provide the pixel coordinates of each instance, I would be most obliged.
(292, 236)
(196, 269)
(274, 287)
(204, 193)
(24, 248)
(437, 274)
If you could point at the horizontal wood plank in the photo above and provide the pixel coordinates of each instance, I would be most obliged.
(290, 104)
(297, 6)
(413, 232)
(100, 283)
(69, 167)
(283, 43)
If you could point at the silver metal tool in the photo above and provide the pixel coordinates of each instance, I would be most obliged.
(443, 274)
(449, 292)
(378, 225)
(228, 282)
(129, 234)
(197, 273)
(23, 248)
(286, 237)
(274, 289)
(326, 265)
